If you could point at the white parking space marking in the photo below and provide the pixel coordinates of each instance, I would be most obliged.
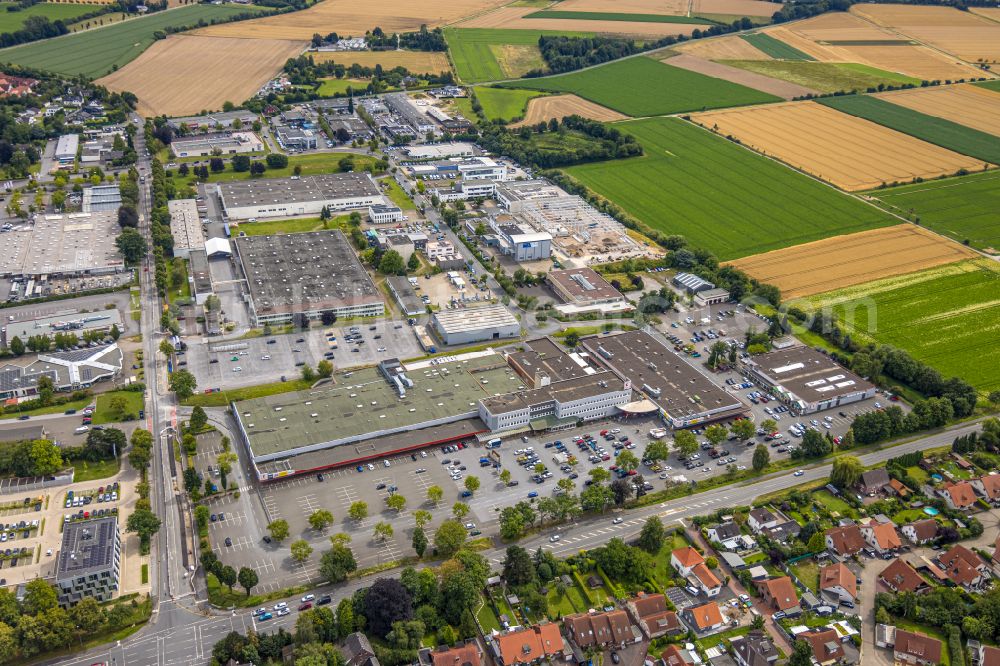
(271, 506)
(307, 503)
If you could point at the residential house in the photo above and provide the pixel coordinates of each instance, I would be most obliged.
(678, 656)
(723, 532)
(959, 496)
(761, 519)
(881, 537)
(705, 580)
(988, 655)
(779, 594)
(528, 645)
(988, 487)
(996, 553)
(754, 649)
(358, 651)
(921, 531)
(873, 481)
(964, 567)
(684, 560)
(650, 612)
(845, 541)
(466, 654)
(587, 630)
(899, 576)
(825, 644)
(898, 488)
(784, 531)
(705, 618)
(914, 648)
(839, 581)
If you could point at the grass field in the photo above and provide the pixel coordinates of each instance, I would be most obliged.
(396, 194)
(965, 208)
(646, 87)
(931, 129)
(826, 77)
(12, 21)
(104, 414)
(474, 51)
(504, 103)
(948, 317)
(294, 226)
(722, 197)
(993, 85)
(96, 52)
(332, 86)
(615, 16)
(312, 165)
(775, 47)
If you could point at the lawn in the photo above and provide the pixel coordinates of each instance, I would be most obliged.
(662, 570)
(12, 21)
(396, 194)
(223, 398)
(807, 571)
(722, 197)
(296, 226)
(775, 47)
(833, 504)
(645, 87)
(104, 414)
(93, 471)
(13, 412)
(562, 605)
(95, 52)
(908, 516)
(475, 51)
(722, 637)
(945, 316)
(503, 103)
(487, 618)
(312, 164)
(825, 77)
(966, 208)
(615, 16)
(918, 474)
(333, 86)
(931, 129)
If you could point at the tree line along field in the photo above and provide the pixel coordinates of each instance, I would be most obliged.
(13, 21)
(948, 317)
(96, 52)
(641, 86)
(966, 209)
(722, 197)
(474, 51)
(939, 131)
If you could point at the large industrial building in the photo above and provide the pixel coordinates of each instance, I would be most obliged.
(437, 151)
(806, 380)
(72, 321)
(101, 198)
(584, 289)
(224, 143)
(62, 245)
(89, 562)
(69, 370)
(468, 325)
(185, 227)
(523, 243)
(66, 148)
(304, 275)
(306, 195)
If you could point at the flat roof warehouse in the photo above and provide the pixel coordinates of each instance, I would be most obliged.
(243, 193)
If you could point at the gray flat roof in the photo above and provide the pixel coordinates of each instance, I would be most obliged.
(542, 354)
(302, 272)
(87, 547)
(808, 374)
(72, 321)
(584, 284)
(567, 390)
(405, 295)
(324, 187)
(56, 244)
(474, 319)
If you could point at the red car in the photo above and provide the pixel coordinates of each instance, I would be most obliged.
(306, 606)
(603, 433)
(632, 472)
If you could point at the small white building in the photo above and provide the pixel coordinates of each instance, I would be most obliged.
(385, 214)
(465, 326)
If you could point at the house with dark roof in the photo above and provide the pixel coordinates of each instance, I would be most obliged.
(964, 567)
(779, 594)
(650, 613)
(825, 644)
(845, 541)
(761, 519)
(704, 619)
(358, 651)
(959, 496)
(921, 531)
(839, 581)
(723, 532)
(754, 649)
(873, 481)
(913, 648)
(899, 576)
(586, 630)
(784, 531)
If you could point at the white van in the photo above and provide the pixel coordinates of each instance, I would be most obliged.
(81, 430)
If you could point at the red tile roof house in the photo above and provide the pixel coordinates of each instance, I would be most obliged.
(838, 580)
(845, 540)
(914, 648)
(921, 531)
(706, 581)
(989, 487)
(675, 656)
(598, 629)
(825, 644)
(684, 560)
(881, 537)
(989, 655)
(779, 593)
(650, 612)
(901, 577)
(958, 495)
(705, 618)
(996, 553)
(964, 567)
(460, 655)
(528, 645)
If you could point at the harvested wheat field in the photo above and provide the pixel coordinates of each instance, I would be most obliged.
(513, 18)
(735, 7)
(844, 261)
(964, 104)
(728, 47)
(556, 106)
(418, 62)
(349, 17)
(717, 70)
(849, 152)
(179, 75)
(992, 13)
(667, 7)
(970, 37)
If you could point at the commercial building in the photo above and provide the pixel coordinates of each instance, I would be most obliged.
(444, 255)
(201, 276)
(71, 322)
(438, 151)
(185, 227)
(349, 128)
(385, 214)
(89, 561)
(681, 394)
(69, 370)
(806, 380)
(223, 119)
(482, 168)
(513, 194)
(101, 198)
(691, 283)
(66, 149)
(402, 290)
(464, 326)
(307, 195)
(295, 138)
(523, 243)
(304, 275)
(224, 143)
(62, 245)
(586, 289)
(711, 297)
(465, 190)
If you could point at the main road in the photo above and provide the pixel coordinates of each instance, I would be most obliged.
(183, 635)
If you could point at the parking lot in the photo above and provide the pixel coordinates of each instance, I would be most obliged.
(235, 363)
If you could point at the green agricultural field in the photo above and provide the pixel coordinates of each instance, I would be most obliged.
(824, 77)
(615, 16)
(722, 197)
(775, 47)
(332, 86)
(95, 52)
(645, 87)
(947, 317)
(503, 103)
(478, 53)
(965, 208)
(993, 85)
(12, 21)
(931, 129)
